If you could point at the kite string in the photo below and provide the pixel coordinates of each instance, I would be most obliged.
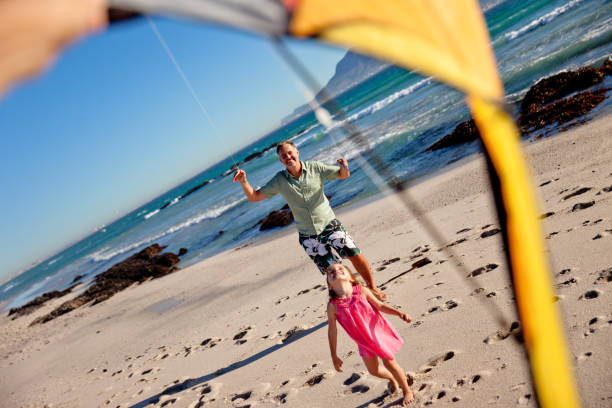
(188, 84)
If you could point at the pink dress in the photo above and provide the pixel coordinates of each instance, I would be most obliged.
(367, 326)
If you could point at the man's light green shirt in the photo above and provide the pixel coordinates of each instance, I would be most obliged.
(305, 195)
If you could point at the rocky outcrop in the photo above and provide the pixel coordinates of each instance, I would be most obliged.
(276, 218)
(38, 302)
(552, 101)
(563, 111)
(144, 265)
(555, 87)
(463, 133)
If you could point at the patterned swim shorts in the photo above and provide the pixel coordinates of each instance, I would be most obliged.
(319, 247)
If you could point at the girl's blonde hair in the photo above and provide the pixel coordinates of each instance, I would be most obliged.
(354, 280)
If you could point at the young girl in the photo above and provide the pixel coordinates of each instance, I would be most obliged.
(358, 312)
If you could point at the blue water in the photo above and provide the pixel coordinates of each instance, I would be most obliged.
(399, 112)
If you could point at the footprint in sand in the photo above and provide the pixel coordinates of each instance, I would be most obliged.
(569, 282)
(591, 294)
(359, 388)
(461, 231)
(282, 398)
(452, 244)
(435, 285)
(354, 377)
(605, 276)
(239, 337)
(312, 381)
(448, 305)
(582, 206)
(545, 183)
(589, 222)
(478, 291)
(281, 300)
(600, 235)
(210, 342)
(435, 361)
(514, 329)
(585, 356)
(243, 396)
(577, 192)
(596, 323)
(386, 263)
(418, 251)
(207, 394)
(483, 269)
(294, 334)
(490, 233)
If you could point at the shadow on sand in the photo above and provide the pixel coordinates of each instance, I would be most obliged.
(192, 382)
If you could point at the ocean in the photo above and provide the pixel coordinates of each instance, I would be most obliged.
(399, 112)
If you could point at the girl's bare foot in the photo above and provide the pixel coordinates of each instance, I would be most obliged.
(408, 398)
(391, 387)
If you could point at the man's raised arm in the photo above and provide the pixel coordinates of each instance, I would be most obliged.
(252, 195)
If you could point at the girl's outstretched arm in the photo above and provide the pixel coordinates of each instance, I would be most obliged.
(385, 308)
(332, 336)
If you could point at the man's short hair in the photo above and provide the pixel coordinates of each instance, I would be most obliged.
(285, 142)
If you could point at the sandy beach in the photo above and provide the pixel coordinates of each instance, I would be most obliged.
(248, 327)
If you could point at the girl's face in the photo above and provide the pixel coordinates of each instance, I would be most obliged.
(337, 272)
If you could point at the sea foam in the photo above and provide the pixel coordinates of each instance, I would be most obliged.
(106, 253)
(545, 19)
(378, 105)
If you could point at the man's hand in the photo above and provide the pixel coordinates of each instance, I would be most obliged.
(240, 177)
(337, 363)
(344, 171)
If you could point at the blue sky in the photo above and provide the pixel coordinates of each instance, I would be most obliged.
(111, 125)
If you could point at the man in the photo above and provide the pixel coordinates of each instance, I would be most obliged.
(301, 185)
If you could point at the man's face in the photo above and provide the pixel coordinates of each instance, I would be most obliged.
(289, 156)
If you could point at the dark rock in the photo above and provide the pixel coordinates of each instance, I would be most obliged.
(38, 302)
(557, 86)
(194, 189)
(182, 251)
(77, 278)
(463, 133)
(606, 69)
(144, 265)
(278, 218)
(562, 111)
(538, 109)
(252, 156)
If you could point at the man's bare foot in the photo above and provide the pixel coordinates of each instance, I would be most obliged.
(380, 295)
(391, 387)
(408, 398)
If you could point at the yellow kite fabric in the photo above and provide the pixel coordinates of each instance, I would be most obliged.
(448, 39)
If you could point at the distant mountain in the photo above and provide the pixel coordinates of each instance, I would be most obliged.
(351, 70)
